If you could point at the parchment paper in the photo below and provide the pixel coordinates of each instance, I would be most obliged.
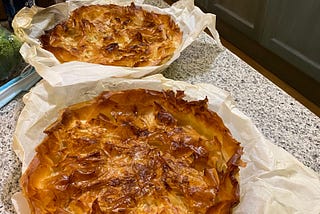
(272, 182)
(30, 23)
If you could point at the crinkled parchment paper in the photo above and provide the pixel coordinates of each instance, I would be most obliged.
(30, 23)
(273, 181)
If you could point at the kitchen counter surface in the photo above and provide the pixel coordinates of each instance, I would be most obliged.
(281, 119)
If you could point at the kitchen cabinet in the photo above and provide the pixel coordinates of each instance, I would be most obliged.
(292, 30)
(281, 35)
(245, 15)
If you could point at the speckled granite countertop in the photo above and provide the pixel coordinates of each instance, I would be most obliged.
(278, 116)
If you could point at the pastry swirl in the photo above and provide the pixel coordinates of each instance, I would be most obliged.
(135, 151)
(114, 35)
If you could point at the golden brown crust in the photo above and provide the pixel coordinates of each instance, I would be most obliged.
(114, 35)
(135, 151)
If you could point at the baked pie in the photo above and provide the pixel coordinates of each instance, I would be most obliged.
(114, 35)
(135, 151)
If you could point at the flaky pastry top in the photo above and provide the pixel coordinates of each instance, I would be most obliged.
(114, 35)
(135, 151)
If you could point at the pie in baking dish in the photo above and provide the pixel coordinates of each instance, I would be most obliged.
(114, 35)
(135, 151)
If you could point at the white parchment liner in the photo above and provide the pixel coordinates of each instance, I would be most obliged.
(273, 181)
(30, 23)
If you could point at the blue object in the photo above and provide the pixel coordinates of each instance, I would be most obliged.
(28, 78)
